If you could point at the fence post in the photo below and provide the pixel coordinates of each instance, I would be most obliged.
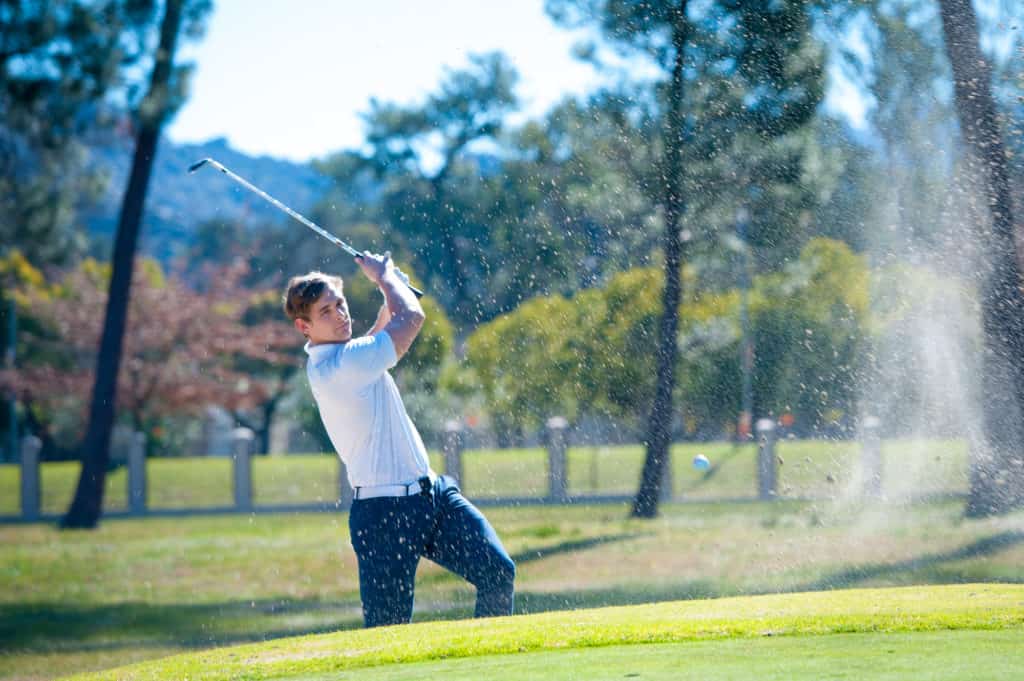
(871, 456)
(766, 466)
(345, 492)
(453, 443)
(9, 357)
(241, 452)
(558, 470)
(137, 473)
(30, 490)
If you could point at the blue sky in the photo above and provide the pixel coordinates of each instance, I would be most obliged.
(290, 78)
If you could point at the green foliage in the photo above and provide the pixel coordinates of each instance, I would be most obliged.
(754, 80)
(424, 210)
(433, 345)
(67, 69)
(617, 338)
(564, 203)
(594, 353)
(810, 326)
(525, 363)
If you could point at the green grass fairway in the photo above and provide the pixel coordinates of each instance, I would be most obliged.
(139, 589)
(937, 613)
(923, 656)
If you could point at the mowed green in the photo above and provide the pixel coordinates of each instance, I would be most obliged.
(957, 655)
(138, 589)
(807, 468)
(939, 610)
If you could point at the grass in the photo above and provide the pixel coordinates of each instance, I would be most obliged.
(915, 609)
(137, 589)
(807, 468)
(957, 655)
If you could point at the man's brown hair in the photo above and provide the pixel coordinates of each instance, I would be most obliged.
(303, 291)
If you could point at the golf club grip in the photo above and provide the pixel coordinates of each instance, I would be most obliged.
(419, 293)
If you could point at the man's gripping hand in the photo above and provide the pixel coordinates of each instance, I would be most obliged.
(375, 266)
(402, 276)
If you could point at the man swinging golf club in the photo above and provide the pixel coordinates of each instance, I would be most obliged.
(402, 510)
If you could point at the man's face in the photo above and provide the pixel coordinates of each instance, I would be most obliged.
(329, 320)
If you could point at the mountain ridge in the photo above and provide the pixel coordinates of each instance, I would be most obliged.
(178, 202)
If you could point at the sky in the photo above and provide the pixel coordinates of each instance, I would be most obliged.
(290, 78)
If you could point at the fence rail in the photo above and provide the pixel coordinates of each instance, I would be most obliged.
(555, 488)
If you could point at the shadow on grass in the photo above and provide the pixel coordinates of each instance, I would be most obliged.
(851, 577)
(63, 627)
(69, 627)
(533, 602)
(572, 546)
(531, 555)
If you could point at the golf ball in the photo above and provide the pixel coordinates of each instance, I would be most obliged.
(701, 463)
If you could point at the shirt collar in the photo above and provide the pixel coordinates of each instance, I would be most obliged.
(315, 351)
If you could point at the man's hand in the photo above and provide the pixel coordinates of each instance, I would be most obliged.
(374, 265)
(406, 314)
(402, 276)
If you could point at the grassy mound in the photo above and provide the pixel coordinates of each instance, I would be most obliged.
(949, 655)
(912, 609)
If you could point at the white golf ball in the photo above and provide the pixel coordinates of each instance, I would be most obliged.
(701, 463)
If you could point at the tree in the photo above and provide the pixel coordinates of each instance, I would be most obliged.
(742, 81)
(997, 478)
(665, 31)
(586, 355)
(419, 203)
(911, 117)
(62, 66)
(565, 212)
(187, 350)
(272, 371)
(527, 365)
(810, 321)
(164, 95)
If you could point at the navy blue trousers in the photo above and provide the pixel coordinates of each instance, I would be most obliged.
(391, 534)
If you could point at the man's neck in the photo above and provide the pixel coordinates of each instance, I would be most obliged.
(311, 343)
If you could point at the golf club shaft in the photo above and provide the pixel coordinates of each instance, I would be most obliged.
(298, 216)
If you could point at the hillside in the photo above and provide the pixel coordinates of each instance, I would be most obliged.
(178, 202)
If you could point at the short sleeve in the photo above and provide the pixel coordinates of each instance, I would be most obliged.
(365, 359)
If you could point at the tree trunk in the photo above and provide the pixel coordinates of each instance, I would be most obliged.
(997, 473)
(645, 505)
(87, 505)
(452, 262)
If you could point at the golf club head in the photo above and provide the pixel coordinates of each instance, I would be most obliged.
(198, 164)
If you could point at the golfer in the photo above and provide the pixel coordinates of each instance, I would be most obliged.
(402, 510)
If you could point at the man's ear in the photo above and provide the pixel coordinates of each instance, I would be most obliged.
(303, 326)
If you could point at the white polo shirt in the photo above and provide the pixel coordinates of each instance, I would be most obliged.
(363, 411)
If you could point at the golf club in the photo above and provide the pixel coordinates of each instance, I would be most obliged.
(308, 223)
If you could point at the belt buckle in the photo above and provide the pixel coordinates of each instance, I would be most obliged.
(425, 485)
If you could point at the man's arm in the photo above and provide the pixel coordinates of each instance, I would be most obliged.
(406, 313)
(383, 317)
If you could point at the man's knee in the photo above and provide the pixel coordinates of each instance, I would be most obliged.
(507, 568)
(502, 570)
(495, 570)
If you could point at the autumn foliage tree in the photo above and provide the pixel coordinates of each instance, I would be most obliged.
(184, 350)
